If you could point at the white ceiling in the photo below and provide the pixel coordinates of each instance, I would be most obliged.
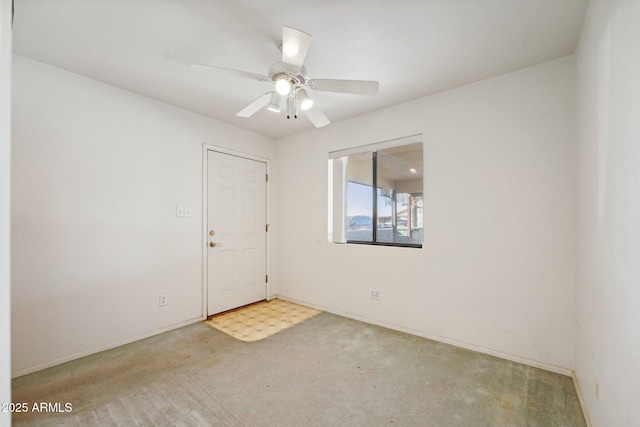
(412, 47)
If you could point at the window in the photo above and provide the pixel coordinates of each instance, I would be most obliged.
(377, 194)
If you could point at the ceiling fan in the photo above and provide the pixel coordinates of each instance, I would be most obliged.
(291, 81)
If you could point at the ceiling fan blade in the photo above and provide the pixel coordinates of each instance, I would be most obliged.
(255, 106)
(317, 117)
(295, 45)
(355, 87)
(228, 71)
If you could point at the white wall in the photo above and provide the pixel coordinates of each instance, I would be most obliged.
(496, 272)
(5, 167)
(97, 175)
(608, 232)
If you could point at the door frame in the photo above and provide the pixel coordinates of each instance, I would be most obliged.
(205, 206)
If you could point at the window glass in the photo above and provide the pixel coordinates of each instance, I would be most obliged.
(360, 198)
(399, 181)
(376, 194)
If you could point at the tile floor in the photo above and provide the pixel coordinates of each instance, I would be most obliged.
(260, 320)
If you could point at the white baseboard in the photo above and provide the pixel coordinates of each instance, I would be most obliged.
(583, 403)
(75, 356)
(511, 357)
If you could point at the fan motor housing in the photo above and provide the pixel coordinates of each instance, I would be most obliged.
(298, 78)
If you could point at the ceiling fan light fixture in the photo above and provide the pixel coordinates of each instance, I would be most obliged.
(304, 100)
(283, 86)
(290, 78)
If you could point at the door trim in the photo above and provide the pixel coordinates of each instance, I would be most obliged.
(205, 195)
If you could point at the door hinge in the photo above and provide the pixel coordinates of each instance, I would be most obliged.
(266, 278)
(267, 177)
(267, 228)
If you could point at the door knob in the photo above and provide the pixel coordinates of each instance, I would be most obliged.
(212, 244)
(211, 233)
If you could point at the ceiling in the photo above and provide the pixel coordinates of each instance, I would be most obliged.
(414, 48)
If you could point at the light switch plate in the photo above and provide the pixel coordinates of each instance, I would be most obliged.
(183, 211)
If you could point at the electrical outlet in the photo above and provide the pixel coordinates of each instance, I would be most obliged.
(163, 300)
(375, 294)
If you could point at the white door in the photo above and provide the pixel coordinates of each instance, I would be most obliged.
(236, 227)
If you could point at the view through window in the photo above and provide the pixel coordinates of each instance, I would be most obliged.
(382, 196)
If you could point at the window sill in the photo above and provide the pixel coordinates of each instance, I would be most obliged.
(397, 245)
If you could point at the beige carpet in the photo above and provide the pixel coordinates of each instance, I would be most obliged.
(326, 371)
(260, 320)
